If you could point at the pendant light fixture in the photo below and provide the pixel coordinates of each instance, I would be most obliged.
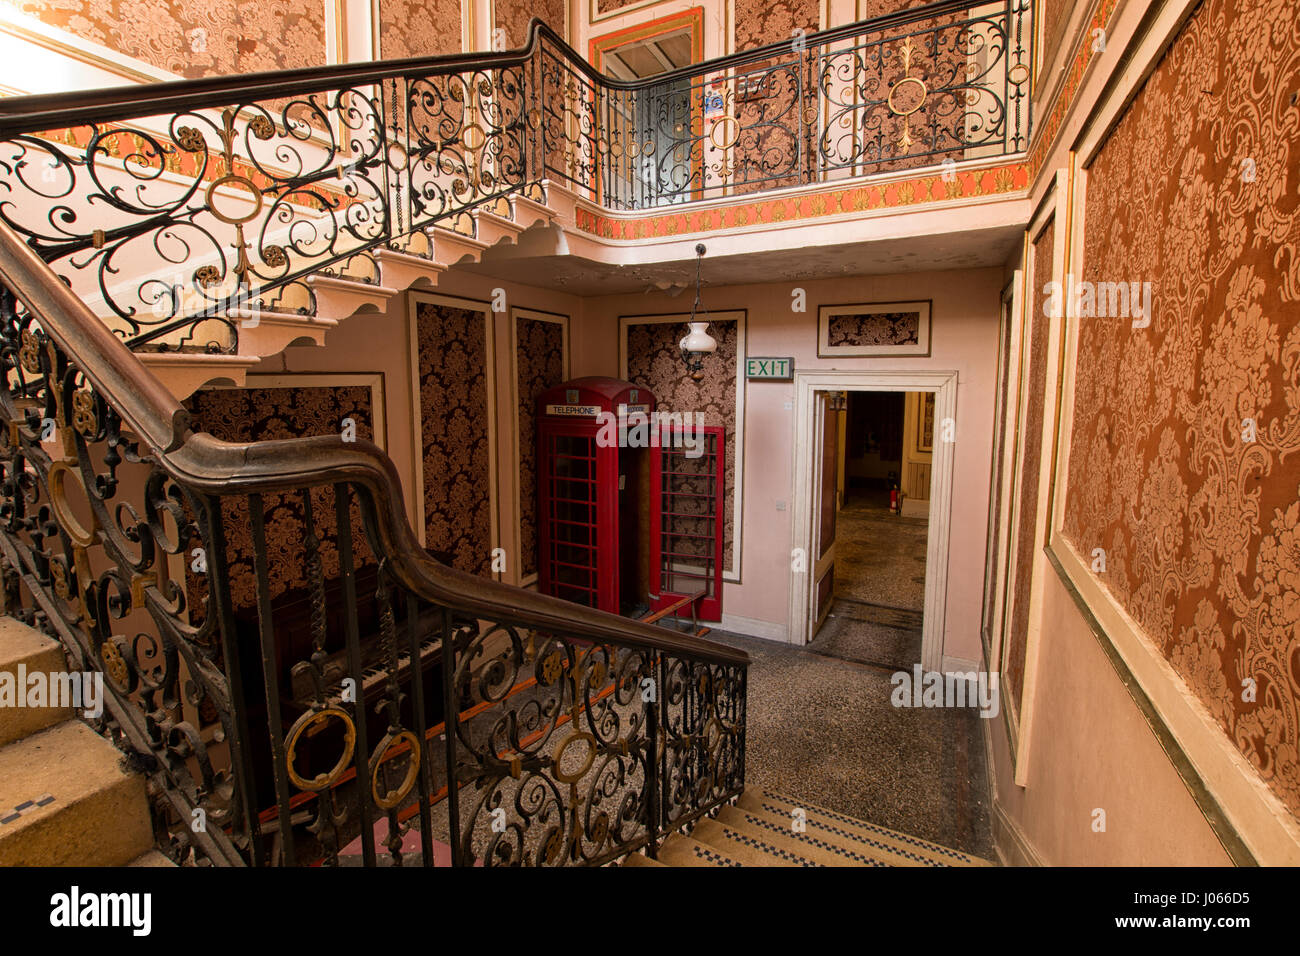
(697, 342)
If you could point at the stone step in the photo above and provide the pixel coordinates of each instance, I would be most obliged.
(897, 849)
(779, 834)
(25, 651)
(65, 800)
(750, 847)
(679, 850)
(764, 829)
(640, 859)
(152, 858)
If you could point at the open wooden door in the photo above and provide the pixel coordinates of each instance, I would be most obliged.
(825, 446)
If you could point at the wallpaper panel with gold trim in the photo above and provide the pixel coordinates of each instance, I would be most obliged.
(539, 364)
(1031, 457)
(1185, 448)
(194, 38)
(455, 433)
(655, 362)
(758, 23)
(1055, 15)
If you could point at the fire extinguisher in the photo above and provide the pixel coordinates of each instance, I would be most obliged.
(893, 494)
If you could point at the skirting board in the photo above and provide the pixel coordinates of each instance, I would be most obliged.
(1014, 849)
(1012, 846)
(748, 627)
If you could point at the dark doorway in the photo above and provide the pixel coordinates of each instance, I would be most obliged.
(880, 546)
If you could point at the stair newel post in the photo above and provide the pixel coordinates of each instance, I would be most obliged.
(451, 716)
(219, 598)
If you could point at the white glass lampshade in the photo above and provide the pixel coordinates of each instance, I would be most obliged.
(698, 339)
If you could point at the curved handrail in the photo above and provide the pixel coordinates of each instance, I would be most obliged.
(208, 464)
(26, 114)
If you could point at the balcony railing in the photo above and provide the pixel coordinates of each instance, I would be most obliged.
(301, 682)
(168, 208)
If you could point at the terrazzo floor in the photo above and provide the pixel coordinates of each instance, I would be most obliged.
(880, 556)
(823, 729)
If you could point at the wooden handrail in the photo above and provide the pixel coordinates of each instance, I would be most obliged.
(29, 114)
(114, 370)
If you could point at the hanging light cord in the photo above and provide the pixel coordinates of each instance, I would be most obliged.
(699, 262)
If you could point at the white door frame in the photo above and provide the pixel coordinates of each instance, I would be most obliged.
(944, 386)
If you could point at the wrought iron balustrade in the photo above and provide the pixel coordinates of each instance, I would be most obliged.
(298, 679)
(173, 209)
(943, 82)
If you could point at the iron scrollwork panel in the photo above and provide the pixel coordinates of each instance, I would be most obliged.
(89, 523)
(213, 208)
(553, 755)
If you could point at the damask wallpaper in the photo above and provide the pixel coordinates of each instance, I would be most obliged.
(455, 430)
(1185, 450)
(758, 23)
(195, 38)
(263, 414)
(539, 361)
(773, 117)
(880, 328)
(513, 16)
(1031, 456)
(419, 28)
(655, 361)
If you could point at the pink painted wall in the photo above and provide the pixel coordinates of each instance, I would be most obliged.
(1092, 748)
(963, 338)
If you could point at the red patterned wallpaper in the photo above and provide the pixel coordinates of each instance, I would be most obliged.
(1185, 453)
(513, 16)
(195, 38)
(419, 28)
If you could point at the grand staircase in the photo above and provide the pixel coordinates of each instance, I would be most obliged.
(766, 829)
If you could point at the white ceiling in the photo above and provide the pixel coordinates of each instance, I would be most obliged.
(969, 249)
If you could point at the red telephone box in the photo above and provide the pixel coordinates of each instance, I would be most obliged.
(593, 495)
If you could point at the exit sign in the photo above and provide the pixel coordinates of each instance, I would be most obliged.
(777, 369)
